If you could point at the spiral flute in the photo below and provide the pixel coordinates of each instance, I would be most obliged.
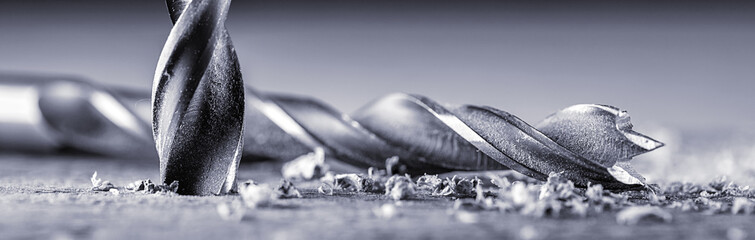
(198, 100)
(586, 143)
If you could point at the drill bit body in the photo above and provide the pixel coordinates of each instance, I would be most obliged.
(587, 143)
(198, 100)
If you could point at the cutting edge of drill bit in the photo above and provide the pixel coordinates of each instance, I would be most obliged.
(600, 133)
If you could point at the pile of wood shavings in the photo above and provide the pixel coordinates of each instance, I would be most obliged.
(254, 195)
(140, 186)
(558, 197)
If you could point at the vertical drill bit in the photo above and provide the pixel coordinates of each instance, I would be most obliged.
(198, 100)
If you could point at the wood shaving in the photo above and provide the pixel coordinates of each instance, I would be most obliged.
(115, 191)
(553, 198)
(457, 187)
(393, 166)
(557, 187)
(400, 187)
(255, 195)
(306, 167)
(428, 184)
(286, 189)
(147, 186)
(322, 190)
(99, 185)
(498, 181)
(352, 182)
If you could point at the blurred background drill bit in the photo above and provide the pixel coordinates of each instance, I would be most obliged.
(48, 114)
(683, 69)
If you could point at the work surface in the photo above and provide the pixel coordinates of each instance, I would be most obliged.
(51, 197)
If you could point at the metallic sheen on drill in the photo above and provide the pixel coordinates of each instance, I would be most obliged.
(587, 143)
(198, 100)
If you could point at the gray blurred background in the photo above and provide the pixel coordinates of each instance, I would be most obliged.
(684, 70)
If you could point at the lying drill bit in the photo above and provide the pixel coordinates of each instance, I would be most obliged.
(198, 100)
(429, 137)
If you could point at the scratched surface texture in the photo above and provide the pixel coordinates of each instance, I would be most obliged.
(49, 197)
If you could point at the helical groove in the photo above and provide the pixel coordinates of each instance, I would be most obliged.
(583, 142)
(198, 100)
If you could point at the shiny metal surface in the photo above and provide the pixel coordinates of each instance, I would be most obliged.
(198, 101)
